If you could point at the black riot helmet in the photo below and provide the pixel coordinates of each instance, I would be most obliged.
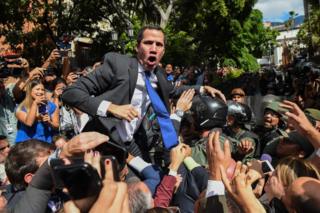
(241, 112)
(208, 112)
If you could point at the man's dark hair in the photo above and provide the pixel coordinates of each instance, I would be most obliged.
(149, 27)
(57, 81)
(22, 160)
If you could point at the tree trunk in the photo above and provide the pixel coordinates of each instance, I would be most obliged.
(165, 15)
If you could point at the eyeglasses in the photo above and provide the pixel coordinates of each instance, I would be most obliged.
(3, 148)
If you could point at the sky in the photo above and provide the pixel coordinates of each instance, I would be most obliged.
(278, 10)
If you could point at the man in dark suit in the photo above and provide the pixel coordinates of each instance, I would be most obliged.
(115, 95)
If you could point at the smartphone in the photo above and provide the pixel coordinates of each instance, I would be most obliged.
(266, 167)
(82, 181)
(63, 52)
(42, 109)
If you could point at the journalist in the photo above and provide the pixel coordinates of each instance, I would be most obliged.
(37, 117)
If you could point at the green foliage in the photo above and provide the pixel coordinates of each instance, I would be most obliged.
(180, 50)
(228, 62)
(248, 61)
(311, 28)
(199, 32)
(50, 21)
(234, 73)
(225, 30)
(290, 22)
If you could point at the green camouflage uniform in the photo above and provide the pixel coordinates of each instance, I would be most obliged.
(199, 153)
(240, 136)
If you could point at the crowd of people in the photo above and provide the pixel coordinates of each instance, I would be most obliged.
(126, 135)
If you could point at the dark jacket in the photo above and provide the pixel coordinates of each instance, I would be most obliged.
(193, 183)
(36, 196)
(114, 81)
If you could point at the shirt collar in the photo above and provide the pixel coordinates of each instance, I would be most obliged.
(141, 69)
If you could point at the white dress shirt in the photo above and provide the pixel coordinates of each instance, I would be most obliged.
(215, 188)
(140, 101)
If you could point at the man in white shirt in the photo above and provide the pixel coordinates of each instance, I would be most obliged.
(115, 94)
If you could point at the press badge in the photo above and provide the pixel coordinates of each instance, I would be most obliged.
(9, 128)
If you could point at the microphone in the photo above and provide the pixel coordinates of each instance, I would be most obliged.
(266, 157)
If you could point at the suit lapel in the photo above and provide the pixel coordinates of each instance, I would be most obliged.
(133, 75)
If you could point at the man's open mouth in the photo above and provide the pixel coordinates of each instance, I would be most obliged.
(152, 58)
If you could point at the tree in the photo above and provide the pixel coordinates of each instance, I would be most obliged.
(289, 24)
(164, 14)
(51, 19)
(224, 29)
(309, 32)
(199, 32)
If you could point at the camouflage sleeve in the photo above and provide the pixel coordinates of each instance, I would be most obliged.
(199, 154)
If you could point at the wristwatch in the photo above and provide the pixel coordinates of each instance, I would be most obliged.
(179, 113)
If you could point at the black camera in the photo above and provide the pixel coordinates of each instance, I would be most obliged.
(81, 179)
(6, 71)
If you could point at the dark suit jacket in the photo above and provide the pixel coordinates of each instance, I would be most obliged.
(37, 194)
(114, 81)
(193, 183)
(217, 204)
(151, 176)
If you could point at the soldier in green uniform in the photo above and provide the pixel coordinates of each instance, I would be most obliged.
(272, 126)
(207, 114)
(239, 115)
(289, 144)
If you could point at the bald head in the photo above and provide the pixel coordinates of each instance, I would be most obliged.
(303, 196)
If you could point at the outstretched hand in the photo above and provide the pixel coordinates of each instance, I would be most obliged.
(37, 72)
(185, 101)
(245, 146)
(215, 93)
(296, 117)
(300, 122)
(177, 155)
(81, 143)
(216, 156)
(240, 189)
